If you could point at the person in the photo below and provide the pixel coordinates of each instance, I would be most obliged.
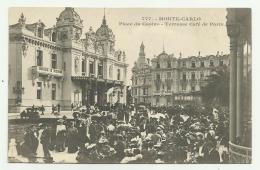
(72, 138)
(72, 106)
(45, 141)
(120, 146)
(61, 136)
(25, 146)
(58, 107)
(42, 109)
(53, 108)
(35, 141)
(213, 154)
(82, 133)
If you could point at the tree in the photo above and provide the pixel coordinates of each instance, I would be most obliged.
(216, 91)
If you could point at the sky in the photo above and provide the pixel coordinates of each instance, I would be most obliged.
(188, 40)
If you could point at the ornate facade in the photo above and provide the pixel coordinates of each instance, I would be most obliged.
(57, 66)
(169, 79)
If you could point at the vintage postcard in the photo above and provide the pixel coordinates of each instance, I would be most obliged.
(129, 85)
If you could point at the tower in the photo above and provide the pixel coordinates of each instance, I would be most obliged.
(105, 38)
(69, 26)
(141, 52)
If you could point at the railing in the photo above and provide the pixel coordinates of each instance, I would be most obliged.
(100, 76)
(240, 154)
(91, 75)
(48, 71)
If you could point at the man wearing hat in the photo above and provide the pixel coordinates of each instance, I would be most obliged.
(104, 151)
(120, 146)
(45, 140)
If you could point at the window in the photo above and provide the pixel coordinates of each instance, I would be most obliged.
(184, 76)
(54, 61)
(91, 68)
(40, 32)
(100, 70)
(144, 91)
(53, 92)
(118, 74)
(193, 76)
(39, 90)
(53, 37)
(135, 81)
(76, 65)
(201, 75)
(157, 87)
(211, 63)
(202, 64)
(157, 76)
(76, 96)
(83, 67)
(168, 86)
(168, 75)
(221, 63)
(169, 64)
(193, 64)
(64, 66)
(183, 87)
(158, 65)
(39, 58)
(111, 72)
(192, 88)
(135, 91)
(157, 100)
(144, 80)
(183, 64)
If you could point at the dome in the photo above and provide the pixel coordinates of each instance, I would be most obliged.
(69, 17)
(104, 33)
(163, 55)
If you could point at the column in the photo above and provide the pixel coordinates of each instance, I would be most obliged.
(96, 67)
(239, 97)
(95, 92)
(87, 67)
(233, 90)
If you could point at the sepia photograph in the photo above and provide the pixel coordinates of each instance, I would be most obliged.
(129, 85)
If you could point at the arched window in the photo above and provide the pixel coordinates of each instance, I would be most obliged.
(76, 65)
(111, 72)
(40, 32)
(53, 37)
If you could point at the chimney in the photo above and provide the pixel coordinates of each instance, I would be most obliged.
(199, 54)
(217, 53)
(180, 55)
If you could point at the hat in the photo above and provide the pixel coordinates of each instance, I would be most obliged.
(134, 140)
(160, 153)
(158, 145)
(148, 138)
(60, 120)
(103, 140)
(120, 137)
(160, 127)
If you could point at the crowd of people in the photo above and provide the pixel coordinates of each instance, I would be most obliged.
(127, 134)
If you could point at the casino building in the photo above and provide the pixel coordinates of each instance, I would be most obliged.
(59, 65)
(167, 79)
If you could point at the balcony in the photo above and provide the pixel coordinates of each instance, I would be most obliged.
(47, 71)
(100, 76)
(240, 154)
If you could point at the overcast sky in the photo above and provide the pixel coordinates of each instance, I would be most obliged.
(187, 40)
